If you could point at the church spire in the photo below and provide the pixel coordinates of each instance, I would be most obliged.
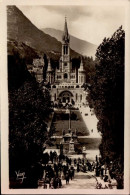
(81, 64)
(66, 36)
(49, 65)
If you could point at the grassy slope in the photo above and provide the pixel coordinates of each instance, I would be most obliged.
(79, 124)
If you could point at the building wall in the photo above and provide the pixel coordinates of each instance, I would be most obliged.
(64, 86)
(37, 69)
(78, 94)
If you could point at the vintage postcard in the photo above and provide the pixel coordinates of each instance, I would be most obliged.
(65, 97)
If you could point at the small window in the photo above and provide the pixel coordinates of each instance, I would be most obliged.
(65, 76)
(76, 96)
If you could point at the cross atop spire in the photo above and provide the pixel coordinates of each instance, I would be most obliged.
(66, 36)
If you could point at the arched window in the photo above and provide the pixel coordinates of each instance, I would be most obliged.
(76, 96)
(66, 49)
(80, 97)
(55, 96)
(65, 76)
(79, 79)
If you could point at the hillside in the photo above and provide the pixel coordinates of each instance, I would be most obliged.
(80, 46)
(22, 49)
(20, 29)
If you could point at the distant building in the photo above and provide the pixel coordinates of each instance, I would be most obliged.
(38, 65)
(37, 68)
(66, 85)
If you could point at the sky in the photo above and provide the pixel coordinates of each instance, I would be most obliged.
(90, 23)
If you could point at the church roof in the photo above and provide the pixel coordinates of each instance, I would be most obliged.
(66, 36)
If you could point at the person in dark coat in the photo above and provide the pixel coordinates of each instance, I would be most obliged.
(102, 172)
(97, 172)
(84, 168)
(59, 182)
(75, 162)
(71, 174)
(106, 178)
(77, 167)
(67, 177)
(55, 182)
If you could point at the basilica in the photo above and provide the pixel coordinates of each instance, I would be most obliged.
(66, 85)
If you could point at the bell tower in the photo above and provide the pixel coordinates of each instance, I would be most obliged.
(65, 58)
(65, 40)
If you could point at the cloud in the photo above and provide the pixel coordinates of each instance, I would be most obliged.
(74, 12)
(90, 23)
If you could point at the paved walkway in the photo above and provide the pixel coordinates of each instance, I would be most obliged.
(90, 121)
(84, 180)
(81, 181)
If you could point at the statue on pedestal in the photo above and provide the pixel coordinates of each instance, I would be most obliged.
(71, 145)
(84, 152)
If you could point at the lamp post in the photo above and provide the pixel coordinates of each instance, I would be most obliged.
(84, 152)
(70, 119)
(68, 111)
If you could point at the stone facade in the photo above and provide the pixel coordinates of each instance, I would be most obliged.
(38, 65)
(66, 85)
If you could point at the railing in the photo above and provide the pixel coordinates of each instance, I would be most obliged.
(70, 86)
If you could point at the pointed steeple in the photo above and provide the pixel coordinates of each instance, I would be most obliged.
(81, 65)
(66, 36)
(49, 66)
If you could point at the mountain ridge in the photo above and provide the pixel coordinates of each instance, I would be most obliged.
(21, 29)
(81, 46)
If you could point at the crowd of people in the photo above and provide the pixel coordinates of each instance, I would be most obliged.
(61, 167)
(104, 176)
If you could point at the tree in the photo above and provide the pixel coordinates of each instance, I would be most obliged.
(106, 96)
(29, 106)
(89, 66)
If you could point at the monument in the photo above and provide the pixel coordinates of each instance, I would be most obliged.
(69, 138)
(71, 147)
(84, 152)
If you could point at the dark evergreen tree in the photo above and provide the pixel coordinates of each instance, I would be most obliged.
(89, 66)
(29, 105)
(106, 96)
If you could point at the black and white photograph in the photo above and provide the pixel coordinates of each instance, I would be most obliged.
(66, 93)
